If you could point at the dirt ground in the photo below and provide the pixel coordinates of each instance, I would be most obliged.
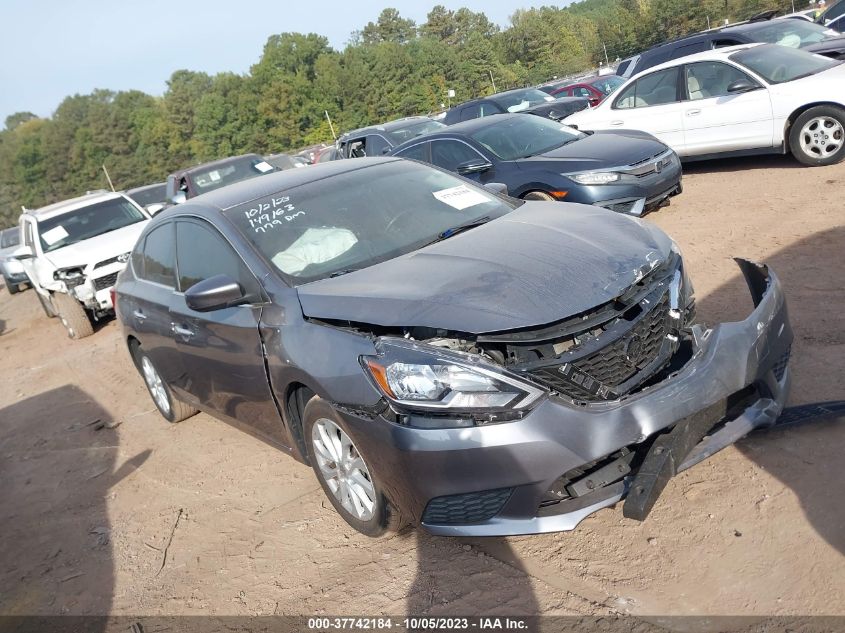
(107, 509)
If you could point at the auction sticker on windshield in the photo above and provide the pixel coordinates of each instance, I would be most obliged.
(263, 167)
(54, 235)
(460, 197)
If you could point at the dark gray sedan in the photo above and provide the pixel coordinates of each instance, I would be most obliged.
(442, 354)
(625, 171)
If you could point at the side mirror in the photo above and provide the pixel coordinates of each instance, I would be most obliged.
(742, 85)
(179, 197)
(474, 166)
(154, 208)
(498, 188)
(23, 252)
(214, 293)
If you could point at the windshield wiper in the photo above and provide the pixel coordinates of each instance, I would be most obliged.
(339, 273)
(445, 235)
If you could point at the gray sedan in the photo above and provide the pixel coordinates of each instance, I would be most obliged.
(445, 355)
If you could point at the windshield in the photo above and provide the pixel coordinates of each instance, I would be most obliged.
(523, 136)
(608, 84)
(9, 237)
(360, 217)
(522, 99)
(87, 222)
(226, 173)
(778, 64)
(400, 135)
(155, 194)
(792, 33)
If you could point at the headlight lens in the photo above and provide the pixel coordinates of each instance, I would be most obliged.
(596, 178)
(418, 376)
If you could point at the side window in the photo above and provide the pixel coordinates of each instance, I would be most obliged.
(356, 148)
(839, 24)
(416, 152)
(470, 112)
(581, 92)
(658, 88)
(203, 253)
(450, 154)
(376, 145)
(722, 43)
(711, 79)
(690, 49)
(159, 256)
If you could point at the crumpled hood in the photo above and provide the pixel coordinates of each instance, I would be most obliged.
(600, 150)
(96, 249)
(541, 263)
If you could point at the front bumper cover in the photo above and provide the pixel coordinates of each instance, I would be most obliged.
(673, 425)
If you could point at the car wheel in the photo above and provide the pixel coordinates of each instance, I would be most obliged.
(12, 288)
(344, 473)
(47, 305)
(817, 137)
(73, 316)
(171, 408)
(538, 195)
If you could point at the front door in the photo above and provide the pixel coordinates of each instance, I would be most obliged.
(716, 120)
(221, 351)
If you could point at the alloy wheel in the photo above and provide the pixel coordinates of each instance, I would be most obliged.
(343, 469)
(822, 136)
(155, 385)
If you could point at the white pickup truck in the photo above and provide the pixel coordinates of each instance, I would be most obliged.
(73, 251)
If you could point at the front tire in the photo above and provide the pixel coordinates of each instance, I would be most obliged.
(538, 195)
(73, 316)
(343, 472)
(817, 137)
(12, 288)
(171, 409)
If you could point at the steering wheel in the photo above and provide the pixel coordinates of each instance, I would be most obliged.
(388, 228)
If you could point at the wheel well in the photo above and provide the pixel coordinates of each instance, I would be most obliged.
(132, 343)
(295, 400)
(802, 110)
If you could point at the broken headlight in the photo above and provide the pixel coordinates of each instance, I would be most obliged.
(417, 376)
(72, 276)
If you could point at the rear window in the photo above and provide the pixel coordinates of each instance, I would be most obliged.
(778, 64)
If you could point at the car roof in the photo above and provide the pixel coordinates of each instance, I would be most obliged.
(269, 184)
(214, 163)
(718, 54)
(386, 127)
(146, 187)
(65, 206)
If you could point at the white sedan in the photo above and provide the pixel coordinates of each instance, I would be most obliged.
(750, 99)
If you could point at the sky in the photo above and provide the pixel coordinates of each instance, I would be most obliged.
(51, 49)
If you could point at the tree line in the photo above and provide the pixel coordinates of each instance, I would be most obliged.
(391, 67)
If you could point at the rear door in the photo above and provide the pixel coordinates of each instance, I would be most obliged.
(652, 103)
(716, 120)
(221, 351)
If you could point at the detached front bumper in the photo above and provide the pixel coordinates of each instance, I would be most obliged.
(508, 479)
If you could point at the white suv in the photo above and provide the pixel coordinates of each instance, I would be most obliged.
(73, 251)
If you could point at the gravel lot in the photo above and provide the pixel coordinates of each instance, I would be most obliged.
(105, 508)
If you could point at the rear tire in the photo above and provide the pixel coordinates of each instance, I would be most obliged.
(12, 288)
(47, 305)
(538, 195)
(344, 473)
(73, 316)
(171, 408)
(817, 137)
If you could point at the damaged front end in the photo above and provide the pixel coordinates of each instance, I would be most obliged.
(619, 399)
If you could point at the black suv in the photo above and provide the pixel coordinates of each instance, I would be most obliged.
(377, 140)
(813, 38)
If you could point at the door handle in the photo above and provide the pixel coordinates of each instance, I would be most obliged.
(181, 331)
(139, 315)
(693, 112)
(617, 122)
